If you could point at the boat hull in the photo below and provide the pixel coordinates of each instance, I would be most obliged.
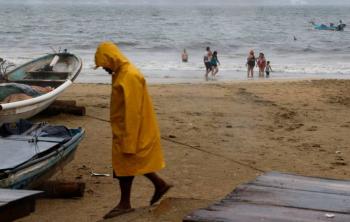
(24, 112)
(66, 70)
(34, 173)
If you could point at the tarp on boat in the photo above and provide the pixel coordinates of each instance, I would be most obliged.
(15, 152)
(17, 149)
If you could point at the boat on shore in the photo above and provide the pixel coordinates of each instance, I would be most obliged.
(32, 87)
(31, 153)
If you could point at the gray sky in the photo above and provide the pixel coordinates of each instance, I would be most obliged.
(196, 2)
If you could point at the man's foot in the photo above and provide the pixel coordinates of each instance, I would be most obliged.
(115, 212)
(158, 194)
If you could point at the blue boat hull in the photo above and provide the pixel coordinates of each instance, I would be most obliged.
(35, 172)
(330, 28)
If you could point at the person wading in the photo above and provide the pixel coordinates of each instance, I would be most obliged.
(136, 148)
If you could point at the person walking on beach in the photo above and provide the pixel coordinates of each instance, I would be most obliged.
(184, 56)
(268, 69)
(261, 64)
(250, 64)
(136, 148)
(207, 59)
(214, 62)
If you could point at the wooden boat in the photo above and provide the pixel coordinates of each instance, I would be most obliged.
(56, 71)
(31, 156)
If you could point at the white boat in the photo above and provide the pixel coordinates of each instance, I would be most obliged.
(56, 71)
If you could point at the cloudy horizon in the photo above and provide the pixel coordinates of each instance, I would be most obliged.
(185, 2)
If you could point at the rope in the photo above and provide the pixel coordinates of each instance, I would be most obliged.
(195, 148)
(214, 154)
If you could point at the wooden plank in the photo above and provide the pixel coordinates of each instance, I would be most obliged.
(9, 195)
(290, 198)
(15, 210)
(294, 182)
(74, 110)
(246, 212)
(15, 204)
(64, 103)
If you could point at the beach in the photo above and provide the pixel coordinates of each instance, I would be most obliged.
(215, 136)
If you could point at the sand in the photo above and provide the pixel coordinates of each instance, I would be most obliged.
(215, 137)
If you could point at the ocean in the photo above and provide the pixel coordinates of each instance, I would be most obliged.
(153, 36)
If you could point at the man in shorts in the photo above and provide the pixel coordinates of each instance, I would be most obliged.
(207, 59)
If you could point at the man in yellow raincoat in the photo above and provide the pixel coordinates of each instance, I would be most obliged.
(136, 148)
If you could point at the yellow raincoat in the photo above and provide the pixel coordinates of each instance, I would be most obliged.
(136, 148)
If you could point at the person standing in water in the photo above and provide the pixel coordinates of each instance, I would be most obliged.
(214, 62)
(206, 59)
(268, 69)
(136, 148)
(250, 64)
(261, 64)
(184, 56)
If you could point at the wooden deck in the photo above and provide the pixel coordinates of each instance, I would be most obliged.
(277, 197)
(15, 204)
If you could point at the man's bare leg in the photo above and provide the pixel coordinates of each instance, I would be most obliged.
(160, 186)
(125, 184)
(124, 205)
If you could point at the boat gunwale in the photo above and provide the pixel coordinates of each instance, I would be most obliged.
(49, 95)
(36, 100)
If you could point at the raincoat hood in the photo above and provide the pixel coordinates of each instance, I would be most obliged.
(109, 56)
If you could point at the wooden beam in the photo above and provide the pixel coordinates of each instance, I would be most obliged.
(15, 204)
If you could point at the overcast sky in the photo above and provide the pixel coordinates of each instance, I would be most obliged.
(197, 2)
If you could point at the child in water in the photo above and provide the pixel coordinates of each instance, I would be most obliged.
(214, 62)
(268, 69)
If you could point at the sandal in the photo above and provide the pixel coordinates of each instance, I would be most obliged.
(115, 212)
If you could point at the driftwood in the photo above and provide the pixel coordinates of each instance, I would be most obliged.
(65, 106)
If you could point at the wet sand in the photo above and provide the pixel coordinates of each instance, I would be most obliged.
(215, 137)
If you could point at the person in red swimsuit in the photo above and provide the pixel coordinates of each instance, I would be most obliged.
(261, 64)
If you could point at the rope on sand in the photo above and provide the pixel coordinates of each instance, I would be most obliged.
(214, 154)
(195, 148)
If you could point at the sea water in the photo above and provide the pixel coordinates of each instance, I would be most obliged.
(154, 35)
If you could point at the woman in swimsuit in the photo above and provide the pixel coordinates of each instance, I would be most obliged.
(251, 64)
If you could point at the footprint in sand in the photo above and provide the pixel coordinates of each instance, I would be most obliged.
(339, 163)
(312, 128)
(294, 127)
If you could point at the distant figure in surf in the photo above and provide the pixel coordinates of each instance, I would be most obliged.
(268, 69)
(295, 38)
(214, 62)
(184, 56)
(206, 59)
(261, 64)
(250, 64)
